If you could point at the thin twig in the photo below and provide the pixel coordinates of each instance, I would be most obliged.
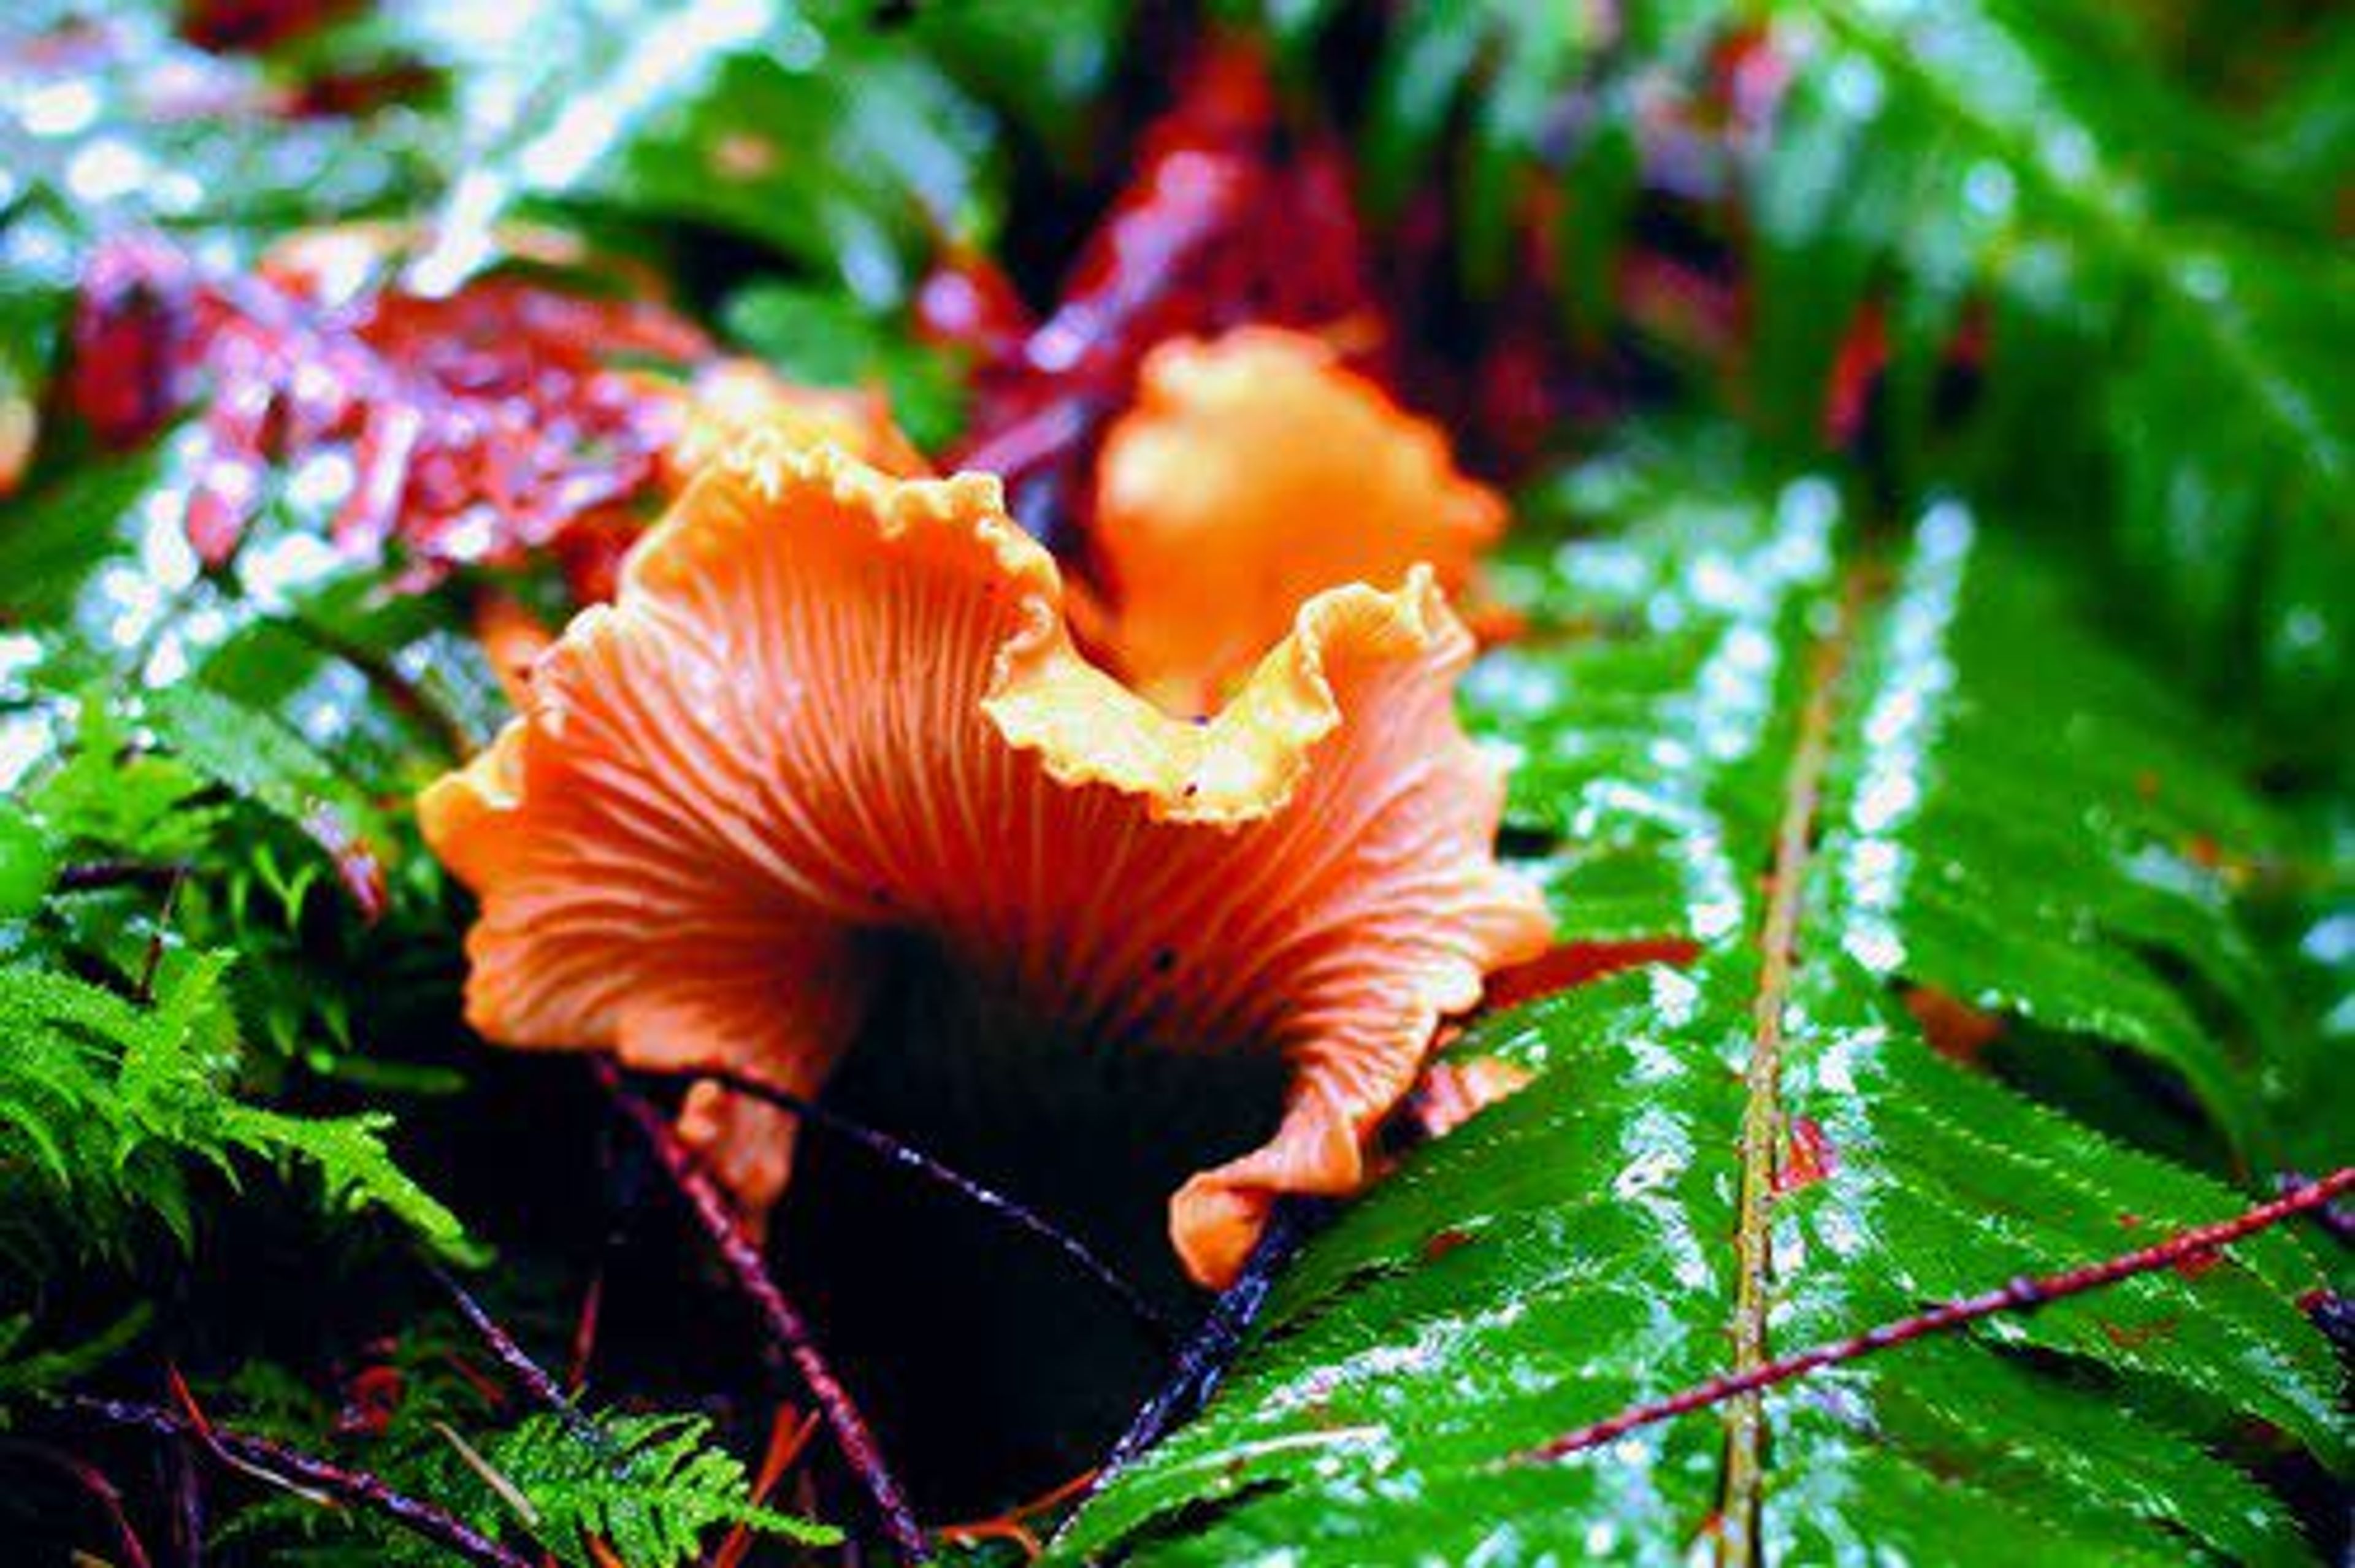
(906, 1156)
(189, 1503)
(584, 1332)
(2337, 1225)
(94, 1481)
(92, 876)
(789, 1433)
(1013, 1524)
(288, 1465)
(2022, 1295)
(779, 1315)
(157, 939)
(533, 1378)
(1202, 1361)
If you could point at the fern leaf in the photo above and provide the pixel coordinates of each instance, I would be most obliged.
(652, 1497)
(2166, 309)
(1958, 788)
(2019, 150)
(105, 1105)
(788, 124)
(650, 1488)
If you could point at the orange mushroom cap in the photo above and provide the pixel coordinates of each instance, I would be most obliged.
(734, 397)
(828, 707)
(1254, 470)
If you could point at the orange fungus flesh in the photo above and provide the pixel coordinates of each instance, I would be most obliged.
(1255, 469)
(829, 706)
(731, 398)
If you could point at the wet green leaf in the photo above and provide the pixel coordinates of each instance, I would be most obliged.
(1992, 804)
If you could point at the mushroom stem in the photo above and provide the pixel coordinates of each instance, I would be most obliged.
(782, 1320)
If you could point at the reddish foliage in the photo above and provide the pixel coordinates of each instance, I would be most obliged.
(370, 1400)
(1444, 1241)
(1856, 370)
(2133, 1336)
(967, 303)
(1808, 1156)
(132, 331)
(477, 427)
(1954, 1029)
(1747, 75)
(1862, 360)
(1570, 963)
(2191, 1265)
(1227, 219)
(255, 24)
(359, 868)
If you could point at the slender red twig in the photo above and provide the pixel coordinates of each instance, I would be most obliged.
(2025, 1294)
(1016, 1213)
(2341, 1226)
(789, 1433)
(354, 1487)
(529, 1374)
(584, 1332)
(160, 938)
(779, 1315)
(94, 1481)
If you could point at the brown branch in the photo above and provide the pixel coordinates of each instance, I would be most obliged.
(289, 1466)
(2025, 1294)
(1016, 1213)
(779, 1315)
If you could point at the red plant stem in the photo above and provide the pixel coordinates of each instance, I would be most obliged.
(533, 1378)
(2025, 1294)
(356, 1487)
(779, 1315)
(907, 1156)
(584, 1331)
(160, 938)
(2342, 1227)
(94, 1481)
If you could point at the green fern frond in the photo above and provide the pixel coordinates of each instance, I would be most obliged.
(1989, 805)
(652, 1490)
(2166, 313)
(30, 1367)
(105, 1104)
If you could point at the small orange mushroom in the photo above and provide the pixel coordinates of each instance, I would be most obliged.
(1255, 469)
(829, 708)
